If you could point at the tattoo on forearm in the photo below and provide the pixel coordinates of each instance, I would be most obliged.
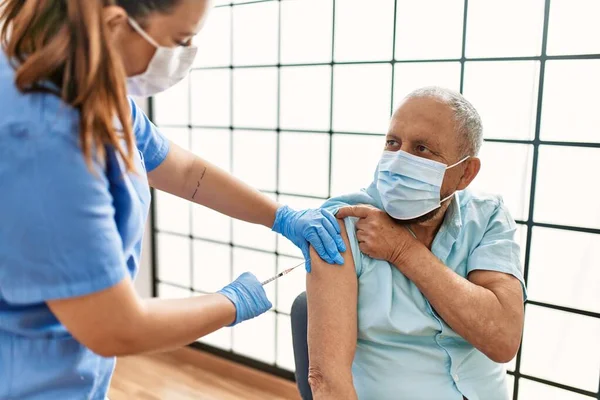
(199, 183)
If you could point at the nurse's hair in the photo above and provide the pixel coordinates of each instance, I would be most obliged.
(66, 42)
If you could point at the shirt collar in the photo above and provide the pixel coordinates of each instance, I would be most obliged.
(449, 231)
(453, 217)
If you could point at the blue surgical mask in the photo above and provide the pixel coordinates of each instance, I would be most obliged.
(409, 186)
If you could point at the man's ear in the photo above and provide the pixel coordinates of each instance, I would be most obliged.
(472, 167)
(115, 17)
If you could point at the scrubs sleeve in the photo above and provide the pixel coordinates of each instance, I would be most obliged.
(62, 239)
(498, 249)
(152, 144)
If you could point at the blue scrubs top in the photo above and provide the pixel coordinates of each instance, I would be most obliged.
(64, 232)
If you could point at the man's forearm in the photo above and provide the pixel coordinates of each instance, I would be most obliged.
(186, 175)
(474, 312)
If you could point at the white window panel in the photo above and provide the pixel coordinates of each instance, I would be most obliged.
(220, 339)
(285, 349)
(255, 30)
(530, 390)
(429, 29)
(255, 98)
(355, 159)
(174, 259)
(570, 106)
(259, 263)
(567, 278)
(284, 246)
(211, 97)
(254, 235)
(508, 28)
(505, 95)
(306, 31)
(573, 27)
(561, 347)
(214, 40)
(255, 338)
(361, 98)
(210, 224)
(166, 291)
(304, 163)
(213, 146)
(291, 285)
(172, 213)
(305, 98)
(179, 136)
(412, 76)
(171, 107)
(255, 158)
(362, 32)
(212, 266)
(510, 179)
(565, 194)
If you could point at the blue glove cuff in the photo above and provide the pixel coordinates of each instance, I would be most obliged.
(234, 296)
(280, 217)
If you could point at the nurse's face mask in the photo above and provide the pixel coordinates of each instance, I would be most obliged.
(410, 186)
(168, 66)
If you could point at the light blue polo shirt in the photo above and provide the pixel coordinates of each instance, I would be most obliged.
(405, 350)
(64, 232)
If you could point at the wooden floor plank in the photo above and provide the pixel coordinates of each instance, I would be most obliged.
(188, 374)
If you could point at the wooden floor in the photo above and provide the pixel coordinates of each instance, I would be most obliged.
(189, 374)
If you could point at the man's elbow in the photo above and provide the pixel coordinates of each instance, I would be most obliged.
(316, 379)
(330, 385)
(504, 349)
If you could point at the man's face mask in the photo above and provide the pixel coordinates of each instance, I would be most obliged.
(410, 186)
(168, 66)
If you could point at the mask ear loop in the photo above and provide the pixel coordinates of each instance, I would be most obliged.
(452, 166)
(460, 162)
(142, 32)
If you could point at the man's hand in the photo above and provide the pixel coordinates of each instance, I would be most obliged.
(379, 236)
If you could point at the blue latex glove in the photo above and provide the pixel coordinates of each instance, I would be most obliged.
(248, 296)
(318, 228)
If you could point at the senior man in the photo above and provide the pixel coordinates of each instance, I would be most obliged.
(429, 303)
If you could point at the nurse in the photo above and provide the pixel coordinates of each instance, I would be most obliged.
(74, 193)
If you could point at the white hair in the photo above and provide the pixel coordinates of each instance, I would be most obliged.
(468, 121)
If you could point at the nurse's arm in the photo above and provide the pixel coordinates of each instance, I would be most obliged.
(117, 322)
(332, 295)
(190, 177)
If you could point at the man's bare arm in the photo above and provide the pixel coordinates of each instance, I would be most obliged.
(332, 294)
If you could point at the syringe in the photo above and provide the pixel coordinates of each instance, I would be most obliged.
(282, 273)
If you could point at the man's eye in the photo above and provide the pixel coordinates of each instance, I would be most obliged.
(391, 143)
(422, 149)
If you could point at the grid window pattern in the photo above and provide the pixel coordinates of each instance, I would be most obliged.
(294, 96)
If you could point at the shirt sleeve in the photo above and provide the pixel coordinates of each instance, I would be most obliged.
(498, 249)
(350, 223)
(153, 145)
(59, 235)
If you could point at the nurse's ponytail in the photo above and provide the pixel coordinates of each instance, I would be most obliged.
(65, 42)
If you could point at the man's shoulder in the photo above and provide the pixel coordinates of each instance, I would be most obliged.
(481, 207)
(481, 200)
